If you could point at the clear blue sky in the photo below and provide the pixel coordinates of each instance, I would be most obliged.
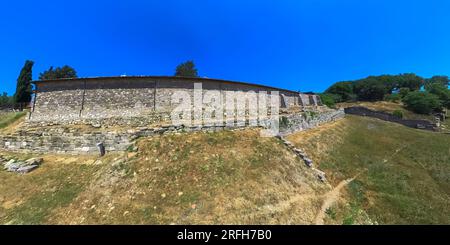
(295, 44)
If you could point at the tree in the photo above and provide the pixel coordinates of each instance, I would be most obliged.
(186, 69)
(409, 80)
(389, 82)
(343, 91)
(58, 73)
(403, 92)
(23, 89)
(443, 80)
(5, 100)
(422, 102)
(441, 90)
(376, 88)
(370, 89)
(328, 100)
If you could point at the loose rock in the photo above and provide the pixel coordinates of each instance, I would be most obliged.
(26, 169)
(34, 161)
(22, 167)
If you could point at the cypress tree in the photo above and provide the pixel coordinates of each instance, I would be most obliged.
(23, 89)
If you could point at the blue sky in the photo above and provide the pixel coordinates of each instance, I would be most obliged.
(295, 44)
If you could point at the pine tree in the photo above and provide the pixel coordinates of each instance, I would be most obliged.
(58, 73)
(186, 69)
(23, 89)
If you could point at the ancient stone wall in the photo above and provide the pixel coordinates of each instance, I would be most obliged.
(59, 139)
(142, 104)
(419, 124)
(82, 100)
(308, 120)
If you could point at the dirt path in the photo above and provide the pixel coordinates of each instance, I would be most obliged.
(329, 199)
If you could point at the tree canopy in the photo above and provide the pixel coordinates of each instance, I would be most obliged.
(374, 88)
(440, 89)
(24, 88)
(370, 89)
(406, 87)
(58, 73)
(342, 91)
(442, 80)
(327, 100)
(422, 102)
(186, 69)
(6, 101)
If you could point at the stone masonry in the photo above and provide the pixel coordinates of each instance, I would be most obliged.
(147, 98)
(59, 139)
(74, 115)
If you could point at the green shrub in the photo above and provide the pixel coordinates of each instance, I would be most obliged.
(392, 97)
(440, 91)
(9, 118)
(284, 122)
(343, 91)
(398, 113)
(422, 102)
(403, 92)
(328, 100)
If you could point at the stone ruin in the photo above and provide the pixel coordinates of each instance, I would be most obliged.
(74, 115)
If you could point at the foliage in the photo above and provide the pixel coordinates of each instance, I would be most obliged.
(398, 113)
(58, 73)
(23, 89)
(370, 89)
(422, 102)
(6, 101)
(392, 97)
(186, 69)
(7, 119)
(443, 80)
(403, 92)
(284, 122)
(375, 88)
(395, 88)
(343, 91)
(409, 80)
(328, 100)
(440, 90)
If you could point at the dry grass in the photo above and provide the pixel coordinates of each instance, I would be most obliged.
(230, 177)
(238, 177)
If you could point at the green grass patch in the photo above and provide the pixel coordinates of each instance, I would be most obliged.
(404, 173)
(7, 119)
(39, 206)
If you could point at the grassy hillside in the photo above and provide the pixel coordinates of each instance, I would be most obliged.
(233, 177)
(389, 107)
(402, 174)
(379, 172)
(6, 119)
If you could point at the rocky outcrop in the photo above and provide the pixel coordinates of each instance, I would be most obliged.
(20, 166)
